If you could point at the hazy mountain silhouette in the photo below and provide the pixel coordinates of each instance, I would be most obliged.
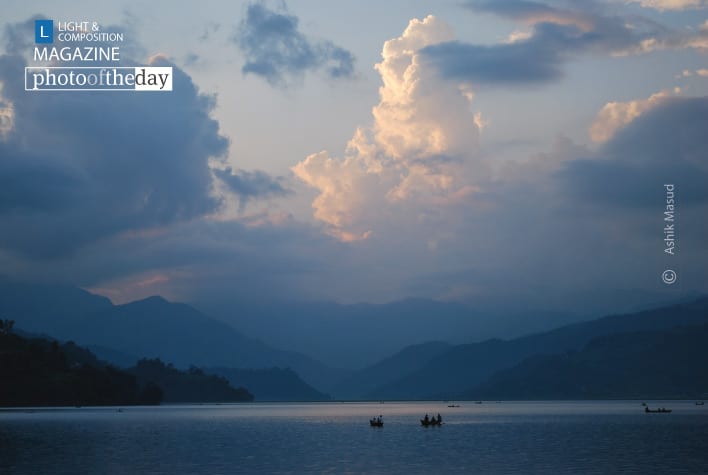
(150, 328)
(182, 335)
(647, 365)
(49, 309)
(272, 384)
(464, 366)
(359, 335)
(355, 336)
(361, 383)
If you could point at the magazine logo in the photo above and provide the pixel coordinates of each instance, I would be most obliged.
(43, 31)
(143, 78)
(63, 59)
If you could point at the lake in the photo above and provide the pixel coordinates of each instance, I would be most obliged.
(489, 438)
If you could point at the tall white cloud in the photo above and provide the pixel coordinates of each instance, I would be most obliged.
(415, 151)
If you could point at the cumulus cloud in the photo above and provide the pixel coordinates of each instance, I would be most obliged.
(423, 131)
(276, 49)
(615, 115)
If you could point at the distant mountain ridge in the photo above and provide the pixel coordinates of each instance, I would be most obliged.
(271, 384)
(360, 384)
(182, 335)
(661, 364)
(462, 367)
(149, 328)
(358, 335)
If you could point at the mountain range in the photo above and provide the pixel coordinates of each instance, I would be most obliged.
(455, 370)
(354, 336)
(186, 337)
(150, 328)
(37, 371)
(662, 364)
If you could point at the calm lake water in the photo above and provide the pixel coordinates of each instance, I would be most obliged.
(488, 438)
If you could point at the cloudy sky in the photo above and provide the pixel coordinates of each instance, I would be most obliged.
(479, 151)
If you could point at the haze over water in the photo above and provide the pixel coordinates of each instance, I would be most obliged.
(489, 438)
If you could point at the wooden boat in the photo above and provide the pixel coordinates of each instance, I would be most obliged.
(661, 410)
(700, 403)
(376, 423)
(430, 422)
(454, 405)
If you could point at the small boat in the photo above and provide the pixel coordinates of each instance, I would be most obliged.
(453, 405)
(478, 402)
(661, 410)
(700, 403)
(376, 422)
(430, 422)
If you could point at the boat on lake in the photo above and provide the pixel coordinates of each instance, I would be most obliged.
(376, 422)
(432, 421)
(661, 410)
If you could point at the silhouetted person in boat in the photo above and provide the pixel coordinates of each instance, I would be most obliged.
(426, 419)
(439, 419)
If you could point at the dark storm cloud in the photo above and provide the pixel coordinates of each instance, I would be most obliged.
(278, 51)
(78, 167)
(252, 184)
(106, 187)
(557, 36)
(668, 144)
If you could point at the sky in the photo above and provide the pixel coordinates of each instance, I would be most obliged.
(473, 151)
